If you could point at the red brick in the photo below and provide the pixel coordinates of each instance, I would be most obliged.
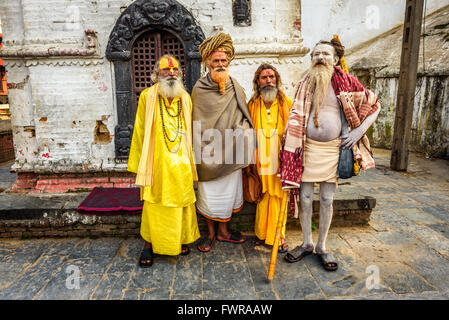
(96, 233)
(121, 180)
(104, 185)
(21, 190)
(77, 233)
(51, 233)
(16, 229)
(43, 182)
(24, 184)
(40, 224)
(122, 185)
(25, 175)
(98, 180)
(55, 189)
(38, 234)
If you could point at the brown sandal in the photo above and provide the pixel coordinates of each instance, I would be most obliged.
(235, 237)
(205, 241)
(297, 254)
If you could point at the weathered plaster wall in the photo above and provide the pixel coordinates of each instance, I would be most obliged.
(62, 87)
(430, 126)
(274, 37)
(355, 21)
(376, 63)
(57, 98)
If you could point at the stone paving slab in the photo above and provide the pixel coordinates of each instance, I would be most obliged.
(406, 241)
(7, 178)
(44, 276)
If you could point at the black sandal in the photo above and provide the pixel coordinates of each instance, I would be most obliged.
(147, 254)
(326, 260)
(185, 250)
(258, 242)
(297, 254)
(283, 247)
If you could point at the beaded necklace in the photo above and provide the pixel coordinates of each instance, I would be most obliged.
(178, 115)
(277, 121)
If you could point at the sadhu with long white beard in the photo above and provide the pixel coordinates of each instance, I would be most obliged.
(269, 107)
(225, 140)
(326, 102)
(162, 156)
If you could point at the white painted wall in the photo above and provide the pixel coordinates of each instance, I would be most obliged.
(57, 101)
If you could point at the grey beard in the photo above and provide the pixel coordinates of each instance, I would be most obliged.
(171, 88)
(269, 94)
(321, 77)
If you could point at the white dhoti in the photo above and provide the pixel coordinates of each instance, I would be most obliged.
(218, 199)
(320, 161)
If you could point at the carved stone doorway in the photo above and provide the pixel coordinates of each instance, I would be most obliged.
(166, 27)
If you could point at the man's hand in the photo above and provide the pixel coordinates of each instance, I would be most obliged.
(352, 137)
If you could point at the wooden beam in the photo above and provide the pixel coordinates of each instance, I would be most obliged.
(407, 84)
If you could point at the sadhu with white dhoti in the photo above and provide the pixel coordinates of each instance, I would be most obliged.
(329, 117)
(224, 140)
(162, 156)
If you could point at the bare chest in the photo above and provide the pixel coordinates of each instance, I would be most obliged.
(328, 119)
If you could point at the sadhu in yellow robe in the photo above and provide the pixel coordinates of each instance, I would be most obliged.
(165, 170)
(269, 131)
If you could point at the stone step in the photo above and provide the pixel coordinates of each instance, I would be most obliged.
(55, 215)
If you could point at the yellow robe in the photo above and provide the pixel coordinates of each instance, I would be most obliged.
(169, 216)
(268, 209)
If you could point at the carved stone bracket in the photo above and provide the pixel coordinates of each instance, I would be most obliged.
(123, 137)
(143, 16)
(274, 48)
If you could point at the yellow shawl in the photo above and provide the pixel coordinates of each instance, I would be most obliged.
(283, 109)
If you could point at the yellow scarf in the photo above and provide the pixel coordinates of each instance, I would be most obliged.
(283, 109)
(145, 169)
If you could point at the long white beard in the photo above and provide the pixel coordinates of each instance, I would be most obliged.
(269, 94)
(320, 76)
(171, 88)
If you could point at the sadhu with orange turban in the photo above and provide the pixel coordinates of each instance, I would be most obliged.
(219, 108)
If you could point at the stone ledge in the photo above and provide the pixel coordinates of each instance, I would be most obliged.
(55, 215)
(56, 183)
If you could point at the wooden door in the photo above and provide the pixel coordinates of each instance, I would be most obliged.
(147, 49)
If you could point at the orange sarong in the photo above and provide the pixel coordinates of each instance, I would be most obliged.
(268, 145)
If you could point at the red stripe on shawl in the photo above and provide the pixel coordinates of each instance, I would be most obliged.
(342, 81)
